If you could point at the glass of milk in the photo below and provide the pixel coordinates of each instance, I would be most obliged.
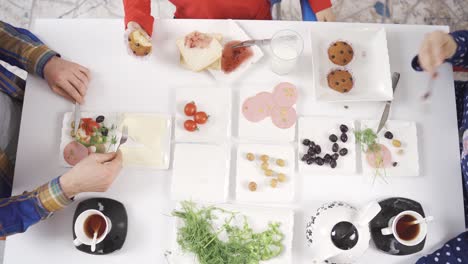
(286, 47)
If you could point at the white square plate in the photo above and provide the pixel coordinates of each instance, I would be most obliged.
(149, 140)
(406, 132)
(258, 219)
(251, 171)
(370, 66)
(318, 130)
(200, 172)
(109, 120)
(235, 32)
(215, 102)
(264, 130)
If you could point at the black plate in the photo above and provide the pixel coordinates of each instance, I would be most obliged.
(116, 212)
(390, 208)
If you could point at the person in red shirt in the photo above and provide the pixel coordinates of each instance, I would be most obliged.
(139, 11)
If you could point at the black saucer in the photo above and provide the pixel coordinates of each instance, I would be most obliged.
(116, 212)
(390, 208)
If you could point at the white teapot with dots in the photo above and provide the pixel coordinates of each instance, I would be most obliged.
(339, 233)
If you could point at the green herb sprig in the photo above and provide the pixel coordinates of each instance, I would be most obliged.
(368, 140)
(242, 246)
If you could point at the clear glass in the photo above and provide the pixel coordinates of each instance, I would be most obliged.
(286, 47)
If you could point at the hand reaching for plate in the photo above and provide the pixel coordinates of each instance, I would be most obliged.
(326, 15)
(67, 79)
(435, 49)
(95, 173)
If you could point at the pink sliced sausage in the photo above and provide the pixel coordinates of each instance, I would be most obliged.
(379, 159)
(74, 152)
(285, 94)
(265, 100)
(283, 117)
(252, 109)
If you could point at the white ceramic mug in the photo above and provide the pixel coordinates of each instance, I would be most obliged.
(392, 224)
(81, 237)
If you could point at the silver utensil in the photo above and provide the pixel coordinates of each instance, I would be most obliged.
(124, 137)
(430, 87)
(77, 117)
(261, 42)
(386, 112)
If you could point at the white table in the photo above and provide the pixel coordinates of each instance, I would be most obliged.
(122, 83)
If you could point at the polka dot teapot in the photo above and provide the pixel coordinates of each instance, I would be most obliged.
(340, 233)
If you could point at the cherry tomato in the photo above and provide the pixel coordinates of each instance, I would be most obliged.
(190, 125)
(201, 117)
(190, 109)
(88, 125)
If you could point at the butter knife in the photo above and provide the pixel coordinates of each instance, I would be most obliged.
(77, 117)
(386, 112)
(261, 42)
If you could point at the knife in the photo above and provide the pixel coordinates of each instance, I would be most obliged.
(260, 42)
(77, 116)
(386, 112)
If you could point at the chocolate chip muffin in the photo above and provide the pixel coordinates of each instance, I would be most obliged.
(340, 81)
(340, 53)
(139, 44)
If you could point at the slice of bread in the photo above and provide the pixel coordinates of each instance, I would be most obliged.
(198, 59)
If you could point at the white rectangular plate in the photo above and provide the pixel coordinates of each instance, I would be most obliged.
(318, 129)
(258, 219)
(200, 172)
(215, 102)
(370, 66)
(264, 130)
(149, 140)
(251, 171)
(408, 162)
(235, 32)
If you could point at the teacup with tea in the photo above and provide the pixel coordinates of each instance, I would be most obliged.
(91, 228)
(408, 227)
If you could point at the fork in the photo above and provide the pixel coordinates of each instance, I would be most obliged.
(124, 137)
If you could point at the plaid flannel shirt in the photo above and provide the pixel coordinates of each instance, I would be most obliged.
(21, 48)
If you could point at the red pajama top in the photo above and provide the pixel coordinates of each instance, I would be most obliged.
(140, 10)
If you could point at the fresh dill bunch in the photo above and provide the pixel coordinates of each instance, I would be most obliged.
(242, 246)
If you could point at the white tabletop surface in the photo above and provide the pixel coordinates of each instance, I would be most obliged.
(123, 83)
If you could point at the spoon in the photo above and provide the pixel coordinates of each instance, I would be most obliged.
(93, 244)
(423, 220)
(430, 86)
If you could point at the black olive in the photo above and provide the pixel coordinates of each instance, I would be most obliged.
(100, 119)
(104, 131)
(343, 128)
(311, 151)
(344, 137)
(333, 164)
(310, 161)
(335, 147)
(333, 138)
(335, 156)
(312, 144)
(327, 158)
(305, 157)
(343, 151)
(319, 161)
(395, 164)
(388, 135)
(305, 142)
(317, 149)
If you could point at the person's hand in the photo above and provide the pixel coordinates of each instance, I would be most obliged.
(435, 49)
(67, 79)
(326, 15)
(95, 173)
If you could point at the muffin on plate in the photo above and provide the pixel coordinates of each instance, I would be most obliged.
(340, 81)
(340, 53)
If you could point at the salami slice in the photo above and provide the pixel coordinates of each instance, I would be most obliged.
(283, 117)
(74, 152)
(285, 94)
(381, 158)
(253, 110)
